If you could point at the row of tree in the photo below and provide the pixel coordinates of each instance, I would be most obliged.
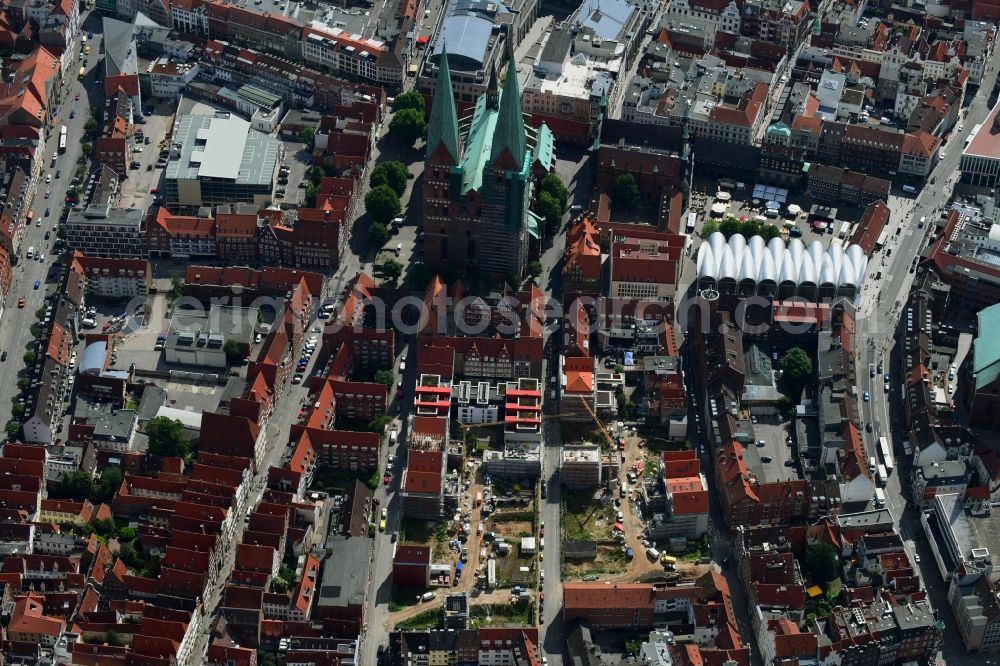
(730, 226)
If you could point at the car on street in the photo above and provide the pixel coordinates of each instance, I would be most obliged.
(20, 302)
(386, 478)
(3, 357)
(77, 97)
(297, 379)
(38, 283)
(867, 397)
(916, 557)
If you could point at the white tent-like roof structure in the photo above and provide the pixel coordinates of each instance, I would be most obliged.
(776, 262)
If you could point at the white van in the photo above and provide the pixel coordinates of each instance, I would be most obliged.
(427, 596)
(31, 252)
(392, 438)
(653, 554)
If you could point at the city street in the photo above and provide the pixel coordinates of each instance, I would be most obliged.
(877, 319)
(16, 322)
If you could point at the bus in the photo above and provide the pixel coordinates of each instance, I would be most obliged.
(883, 476)
(62, 139)
(83, 73)
(883, 447)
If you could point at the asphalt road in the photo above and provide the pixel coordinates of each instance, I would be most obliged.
(878, 317)
(16, 322)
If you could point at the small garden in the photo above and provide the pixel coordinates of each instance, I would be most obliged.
(822, 569)
(521, 613)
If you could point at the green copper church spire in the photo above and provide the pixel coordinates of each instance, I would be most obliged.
(443, 126)
(509, 133)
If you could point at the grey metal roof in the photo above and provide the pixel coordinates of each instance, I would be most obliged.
(92, 361)
(222, 146)
(606, 17)
(466, 31)
(466, 38)
(119, 47)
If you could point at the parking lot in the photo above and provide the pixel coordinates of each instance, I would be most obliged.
(136, 188)
(773, 457)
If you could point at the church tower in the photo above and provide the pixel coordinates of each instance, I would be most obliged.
(444, 154)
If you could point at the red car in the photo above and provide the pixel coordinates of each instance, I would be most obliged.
(78, 97)
(386, 478)
(20, 302)
(541, 596)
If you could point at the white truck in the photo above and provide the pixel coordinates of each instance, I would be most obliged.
(879, 498)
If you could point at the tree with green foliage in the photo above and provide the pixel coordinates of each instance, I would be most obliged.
(13, 429)
(379, 423)
(166, 437)
(77, 486)
(378, 235)
(626, 191)
(548, 208)
(308, 136)
(309, 198)
(408, 125)
(796, 372)
(384, 377)
(409, 100)
(392, 173)
(112, 638)
(552, 184)
(108, 485)
(127, 534)
(821, 562)
(266, 659)
(382, 203)
(392, 269)
(279, 585)
(90, 126)
(231, 349)
(315, 175)
(29, 358)
(729, 226)
(709, 228)
(534, 268)
(86, 148)
(17, 410)
(769, 231)
(131, 557)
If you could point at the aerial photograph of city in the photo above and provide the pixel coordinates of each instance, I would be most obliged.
(318, 318)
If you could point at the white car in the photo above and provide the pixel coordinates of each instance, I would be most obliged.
(297, 379)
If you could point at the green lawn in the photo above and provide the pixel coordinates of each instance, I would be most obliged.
(429, 619)
(498, 615)
(584, 519)
(426, 531)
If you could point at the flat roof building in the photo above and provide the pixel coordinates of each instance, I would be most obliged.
(108, 232)
(199, 338)
(342, 588)
(220, 159)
